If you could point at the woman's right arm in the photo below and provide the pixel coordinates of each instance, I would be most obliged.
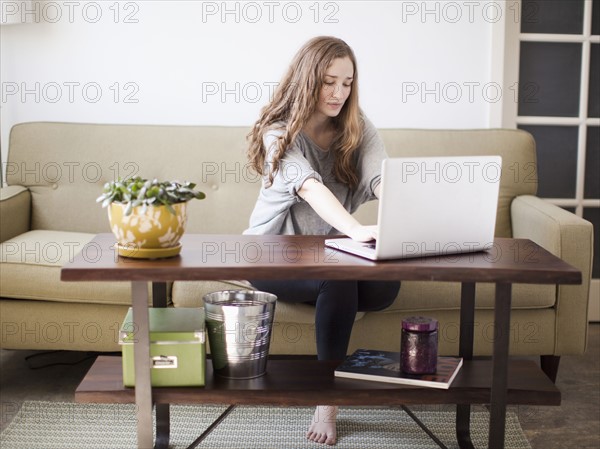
(297, 179)
(327, 206)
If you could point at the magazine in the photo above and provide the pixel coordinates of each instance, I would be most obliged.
(384, 366)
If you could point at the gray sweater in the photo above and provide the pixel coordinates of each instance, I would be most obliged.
(279, 209)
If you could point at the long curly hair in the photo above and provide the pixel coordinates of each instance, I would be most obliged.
(295, 100)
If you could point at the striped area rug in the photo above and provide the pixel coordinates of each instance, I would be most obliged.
(53, 425)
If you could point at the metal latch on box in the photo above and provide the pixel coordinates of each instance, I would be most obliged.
(164, 361)
(199, 337)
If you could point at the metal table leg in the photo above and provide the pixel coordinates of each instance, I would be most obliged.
(210, 428)
(163, 414)
(467, 329)
(500, 365)
(163, 426)
(463, 426)
(425, 429)
(141, 355)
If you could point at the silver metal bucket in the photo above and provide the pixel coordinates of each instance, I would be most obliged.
(239, 325)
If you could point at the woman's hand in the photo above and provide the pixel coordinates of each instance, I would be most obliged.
(362, 233)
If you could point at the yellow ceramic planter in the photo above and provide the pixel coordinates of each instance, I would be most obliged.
(148, 234)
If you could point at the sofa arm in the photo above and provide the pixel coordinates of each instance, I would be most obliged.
(15, 202)
(569, 237)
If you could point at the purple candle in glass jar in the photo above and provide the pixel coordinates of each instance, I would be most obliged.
(419, 345)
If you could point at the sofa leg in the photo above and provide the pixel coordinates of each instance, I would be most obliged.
(549, 365)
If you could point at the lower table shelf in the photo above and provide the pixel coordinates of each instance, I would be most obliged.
(311, 382)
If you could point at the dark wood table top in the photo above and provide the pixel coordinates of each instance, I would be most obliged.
(213, 257)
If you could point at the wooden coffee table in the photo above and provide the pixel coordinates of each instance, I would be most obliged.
(212, 257)
(301, 382)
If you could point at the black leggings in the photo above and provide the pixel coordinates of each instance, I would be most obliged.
(336, 305)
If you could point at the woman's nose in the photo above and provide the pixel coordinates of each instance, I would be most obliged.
(336, 91)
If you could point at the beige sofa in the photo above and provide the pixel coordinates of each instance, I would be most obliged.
(55, 171)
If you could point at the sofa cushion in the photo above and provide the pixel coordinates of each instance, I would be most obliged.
(65, 165)
(213, 157)
(417, 296)
(413, 296)
(15, 202)
(31, 263)
(190, 294)
(517, 148)
(30, 269)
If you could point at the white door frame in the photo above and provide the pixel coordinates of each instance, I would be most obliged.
(506, 39)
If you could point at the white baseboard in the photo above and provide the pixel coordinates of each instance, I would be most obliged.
(594, 304)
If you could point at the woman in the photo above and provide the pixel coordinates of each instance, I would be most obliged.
(320, 159)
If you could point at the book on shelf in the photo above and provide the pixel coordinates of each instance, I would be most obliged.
(384, 366)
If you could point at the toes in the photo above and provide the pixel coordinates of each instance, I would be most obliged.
(317, 437)
(321, 438)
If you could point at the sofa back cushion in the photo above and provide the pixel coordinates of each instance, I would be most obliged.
(66, 164)
(517, 148)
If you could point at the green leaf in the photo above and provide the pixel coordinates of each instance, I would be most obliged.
(139, 191)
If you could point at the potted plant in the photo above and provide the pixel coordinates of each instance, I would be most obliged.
(148, 217)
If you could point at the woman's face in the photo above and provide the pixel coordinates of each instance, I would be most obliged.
(337, 85)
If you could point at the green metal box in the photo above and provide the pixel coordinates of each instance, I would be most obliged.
(177, 347)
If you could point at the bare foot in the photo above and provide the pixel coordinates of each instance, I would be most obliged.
(322, 429)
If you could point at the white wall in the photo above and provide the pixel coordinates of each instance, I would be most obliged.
(422, 64)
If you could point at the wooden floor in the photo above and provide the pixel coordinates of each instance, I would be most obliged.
(574, 424)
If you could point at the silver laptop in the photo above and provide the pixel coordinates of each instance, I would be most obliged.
(432, 206)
